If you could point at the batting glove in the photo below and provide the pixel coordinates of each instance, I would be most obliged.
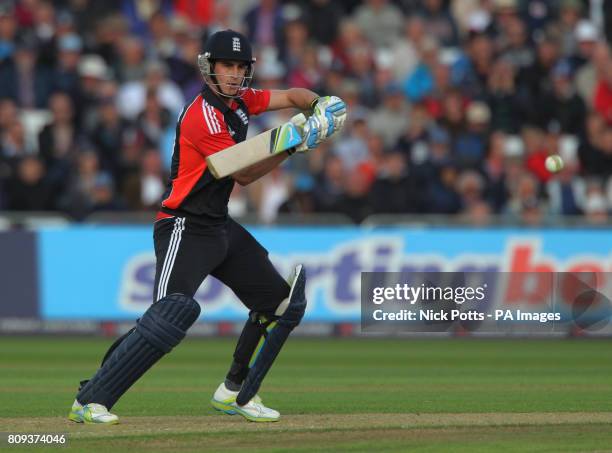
(310, 130)
(331, 111)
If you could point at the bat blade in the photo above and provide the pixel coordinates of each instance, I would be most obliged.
(253, 150)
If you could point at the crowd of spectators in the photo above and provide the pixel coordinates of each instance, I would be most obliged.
(453, 105)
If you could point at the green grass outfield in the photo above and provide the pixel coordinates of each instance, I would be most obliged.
(460, 395)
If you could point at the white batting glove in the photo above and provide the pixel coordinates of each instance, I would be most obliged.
(310, 130)
(331, 111)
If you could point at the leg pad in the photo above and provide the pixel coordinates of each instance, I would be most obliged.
(275, 337)
(161, 328)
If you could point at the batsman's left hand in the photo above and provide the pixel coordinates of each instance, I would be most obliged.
(331, 114)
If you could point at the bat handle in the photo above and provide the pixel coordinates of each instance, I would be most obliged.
(299, 120)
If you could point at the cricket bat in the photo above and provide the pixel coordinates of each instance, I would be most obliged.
(256, 149)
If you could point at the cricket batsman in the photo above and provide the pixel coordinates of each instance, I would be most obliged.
(195, 237)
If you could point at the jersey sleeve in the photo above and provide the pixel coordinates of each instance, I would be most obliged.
(257, 101)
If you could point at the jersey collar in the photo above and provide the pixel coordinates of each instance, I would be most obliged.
(210, 97)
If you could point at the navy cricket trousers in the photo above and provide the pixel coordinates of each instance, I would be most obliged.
(187, 252)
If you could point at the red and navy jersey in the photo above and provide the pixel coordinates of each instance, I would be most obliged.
(207, 125)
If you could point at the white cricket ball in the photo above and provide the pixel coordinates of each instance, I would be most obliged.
(554, 163)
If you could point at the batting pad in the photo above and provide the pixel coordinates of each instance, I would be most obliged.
(275, 337)
(161, 328)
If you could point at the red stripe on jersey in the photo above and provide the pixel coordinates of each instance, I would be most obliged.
(162, 215)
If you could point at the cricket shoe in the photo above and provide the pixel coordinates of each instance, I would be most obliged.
(224, 400)
(92, 413)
